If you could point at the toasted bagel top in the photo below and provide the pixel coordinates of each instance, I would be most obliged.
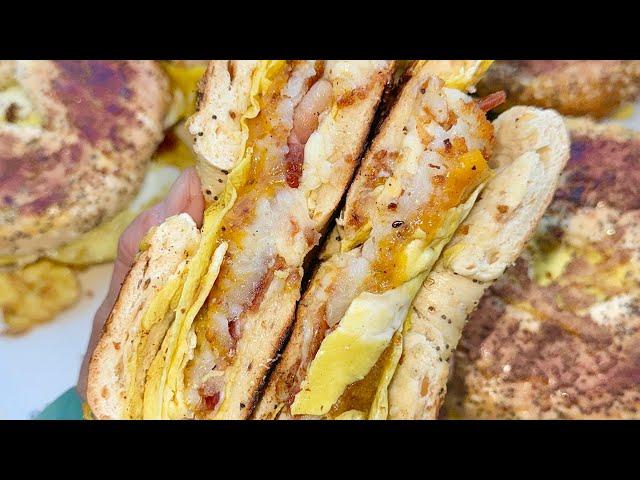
(75, 139)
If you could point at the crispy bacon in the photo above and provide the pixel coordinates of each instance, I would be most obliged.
(305, 122)
(293, 162)
(492, 100)
(211, 401)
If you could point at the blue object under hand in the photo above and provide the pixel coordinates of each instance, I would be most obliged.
(67, 406)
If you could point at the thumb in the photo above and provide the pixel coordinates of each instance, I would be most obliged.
(185, 196)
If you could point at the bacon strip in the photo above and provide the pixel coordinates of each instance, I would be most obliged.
(294, 161)
(492, 100)
(305, 122)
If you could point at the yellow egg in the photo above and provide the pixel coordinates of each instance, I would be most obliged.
(459, 74)
(35, 294)
(349, 352)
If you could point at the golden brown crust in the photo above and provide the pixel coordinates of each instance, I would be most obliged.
(101, 121)
(573, 87)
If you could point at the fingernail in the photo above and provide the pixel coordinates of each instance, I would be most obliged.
(175, 201)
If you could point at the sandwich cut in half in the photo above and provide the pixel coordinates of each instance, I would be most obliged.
(353, 344)
(203, 312)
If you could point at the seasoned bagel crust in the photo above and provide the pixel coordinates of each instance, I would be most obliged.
(573, 87)
(569, 347)
(85, 160)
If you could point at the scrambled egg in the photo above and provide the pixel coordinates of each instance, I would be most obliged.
(549, 264)
(352, 349)
(459, 74)
(36, 293)
(184, 86)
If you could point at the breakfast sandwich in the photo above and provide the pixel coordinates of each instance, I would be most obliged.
(557, 337)
(203, 312)
(360, 344)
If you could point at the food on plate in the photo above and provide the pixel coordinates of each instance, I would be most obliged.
(88, 133)
(558, 335)
(572, 87)
(352, 352)
(203, 313)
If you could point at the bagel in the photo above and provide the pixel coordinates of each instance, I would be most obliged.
(572, 87)
(76, 138)
(557, 336)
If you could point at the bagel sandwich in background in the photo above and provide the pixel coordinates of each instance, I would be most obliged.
(594, 88)
(443, 201)
(87, 146)
(557, 336)
(204, 312)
